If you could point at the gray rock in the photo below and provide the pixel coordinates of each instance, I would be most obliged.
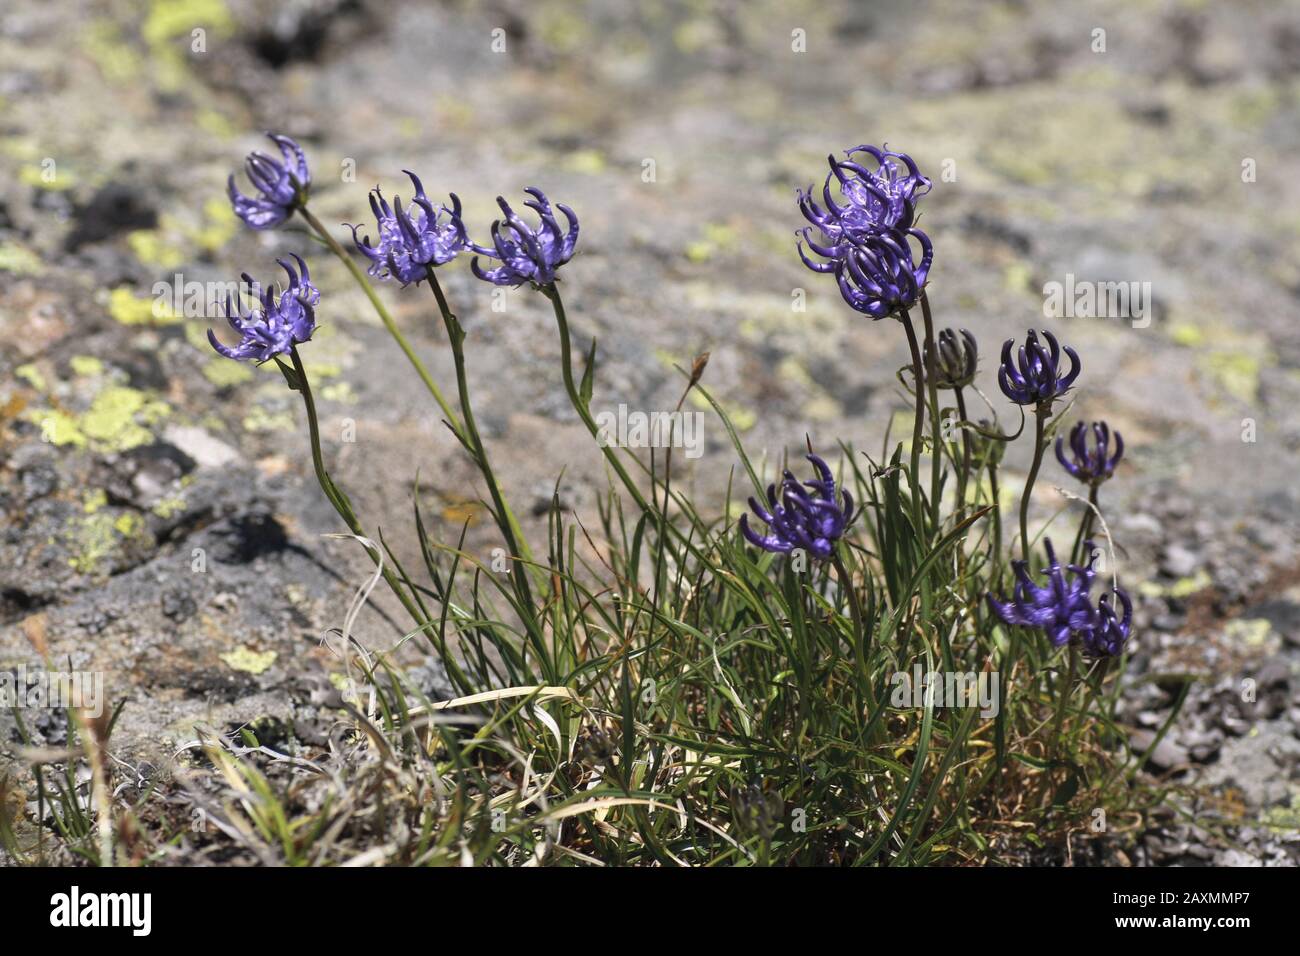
(1236, 857)
(1167, 754)
(1179, 562)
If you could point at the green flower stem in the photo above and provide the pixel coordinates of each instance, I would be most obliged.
(1085, 524)
(936, 458)
(997, 520)
(579, 403)
(963, 479)
(509, 526)
(917, 424)
(1040, 426)
(384, 315)
(336, 497)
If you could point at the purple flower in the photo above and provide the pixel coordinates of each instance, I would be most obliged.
(412, 238)
(1091, 465)
(954, 359)
(874, 199)
(1063, 608)
(878, 275)
(528, 255)
(807, 516)
(1037, 379)
(281, 185)
(1107, 636)
(276, 321)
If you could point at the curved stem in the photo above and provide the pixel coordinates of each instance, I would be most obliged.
(1085, 524)
(964, 475)
(383, 313)
(997, 520)
(936, 459)
(918, 422)
(336, 497)
(1040, 419)
(575, 397)
(510, 529)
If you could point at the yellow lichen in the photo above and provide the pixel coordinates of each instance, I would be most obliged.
(1237, 373)
(169, 507)
(57, 427)
(588, 162)
(259, 419)
(170, 19)
(153, 249)
(1250, 631)
(31, 375)
(224, 373)
(118, 416)
(86, 366)
(19, 260)
(37, 177)
(1186, 334)
(127, 309)
(103, 42)
(219, 225)
(718, 237)
(93, 538)
(249, 661)
(339, 392)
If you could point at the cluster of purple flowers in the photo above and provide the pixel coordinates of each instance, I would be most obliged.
(276, 320)
(281, 185)
(807, 516)
(1064, 610)
(1036, 378)
(954, 359)
(527, 254)
(863, 232)
(410, 240)
(867, 239)
(1091, 465)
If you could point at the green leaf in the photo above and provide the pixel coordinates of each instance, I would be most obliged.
(290, 374)
(588, 376)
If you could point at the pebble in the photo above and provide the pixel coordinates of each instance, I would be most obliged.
(1179, 562)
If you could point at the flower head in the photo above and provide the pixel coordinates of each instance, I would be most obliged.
(276, 321)
(1063, 608)
(1091, 465)
(878, 274)
(412, 238)
(281, 185)
(954, 359)
(1036, 378)
(875, 197)
(807, 516)
(526, 254)
(1107, 636)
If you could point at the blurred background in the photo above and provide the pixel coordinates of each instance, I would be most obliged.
(1153, 143)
